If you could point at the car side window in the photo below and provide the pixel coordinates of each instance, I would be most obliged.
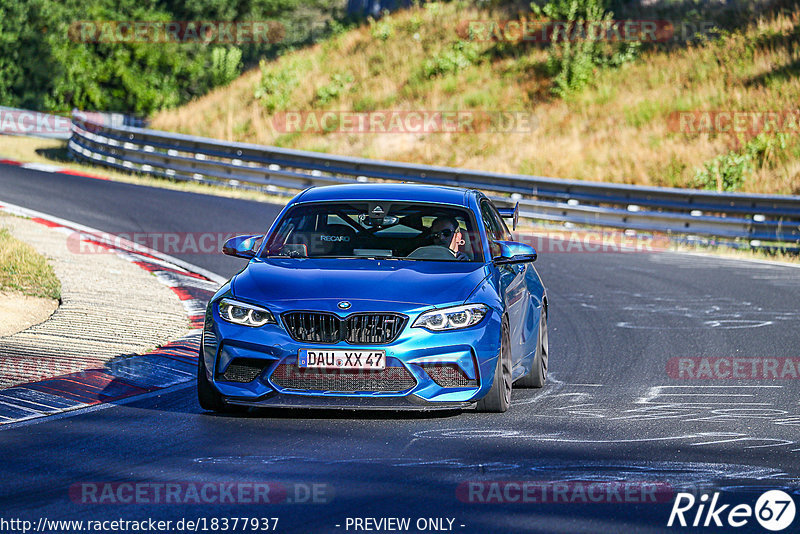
(494, 228)
(499, 222)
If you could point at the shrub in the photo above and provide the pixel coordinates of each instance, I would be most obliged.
(382, 29)
(275, 89)
(768, 150)
(572, 63)
(728, 172)
(225, 64)
(330, 92)
(459, 55)
(724, 173)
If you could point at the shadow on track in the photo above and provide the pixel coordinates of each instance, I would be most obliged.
(337, 413)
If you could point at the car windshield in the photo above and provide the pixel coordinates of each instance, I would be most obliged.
(393, 230)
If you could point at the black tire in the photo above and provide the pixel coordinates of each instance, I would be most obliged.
(209, 398)
(499, 397)
(537, 376)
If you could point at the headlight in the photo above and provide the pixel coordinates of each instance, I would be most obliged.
(245, 314)
(452, 318)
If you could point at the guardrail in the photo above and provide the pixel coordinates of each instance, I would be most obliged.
(753, 217)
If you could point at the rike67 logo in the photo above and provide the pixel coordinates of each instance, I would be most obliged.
(774, 510)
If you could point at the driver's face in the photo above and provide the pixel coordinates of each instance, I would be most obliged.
(443, 234)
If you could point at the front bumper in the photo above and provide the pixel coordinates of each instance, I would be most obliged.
(473, 351)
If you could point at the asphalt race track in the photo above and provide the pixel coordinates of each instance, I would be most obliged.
(614, 411)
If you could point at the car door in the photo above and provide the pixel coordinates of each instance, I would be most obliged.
(512, 285)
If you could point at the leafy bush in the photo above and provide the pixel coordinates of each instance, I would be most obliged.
(382, 29)
(768, 150)
(459, 55)
(724, 173)
(225, 64)
(275, 89)
(728, 172)
(332, 91)
(412, 24)
(572, 63)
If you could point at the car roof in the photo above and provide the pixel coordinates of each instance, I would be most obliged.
(402, 192)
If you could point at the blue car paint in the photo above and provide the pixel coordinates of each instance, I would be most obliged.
(278, 279)
(385, 285)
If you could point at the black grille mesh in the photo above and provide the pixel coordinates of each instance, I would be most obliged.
(372, 328)
(243, 370)
(313, 327)
(391, 379)
(449, 376)
(357, 329)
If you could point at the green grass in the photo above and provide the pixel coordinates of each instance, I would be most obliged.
(24, 270)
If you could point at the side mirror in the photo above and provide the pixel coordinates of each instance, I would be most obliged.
(512, 252)
(241, 246)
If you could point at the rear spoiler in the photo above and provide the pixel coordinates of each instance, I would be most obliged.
(511, 213)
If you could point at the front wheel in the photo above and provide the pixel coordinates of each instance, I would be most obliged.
(208, 397)
(499, 397)
(537, 376)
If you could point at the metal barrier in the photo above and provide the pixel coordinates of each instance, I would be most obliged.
(680, 211)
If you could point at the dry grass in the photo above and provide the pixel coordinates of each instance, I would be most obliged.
(616, 130)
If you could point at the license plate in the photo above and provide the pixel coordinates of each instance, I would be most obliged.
(341, 359)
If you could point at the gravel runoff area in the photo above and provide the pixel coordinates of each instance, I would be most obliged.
(109, 307)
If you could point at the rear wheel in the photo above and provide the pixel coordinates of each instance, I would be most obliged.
(499, 397)
(537, 376)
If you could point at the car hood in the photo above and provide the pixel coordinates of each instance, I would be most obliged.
(359, 281)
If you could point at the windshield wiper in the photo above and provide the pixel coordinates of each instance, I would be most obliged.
(282, 256)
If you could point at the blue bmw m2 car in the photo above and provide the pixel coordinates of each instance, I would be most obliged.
(382, 296)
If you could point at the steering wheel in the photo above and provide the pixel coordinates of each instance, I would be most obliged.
(432, 252)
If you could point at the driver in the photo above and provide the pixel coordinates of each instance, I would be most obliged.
(446, 232)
